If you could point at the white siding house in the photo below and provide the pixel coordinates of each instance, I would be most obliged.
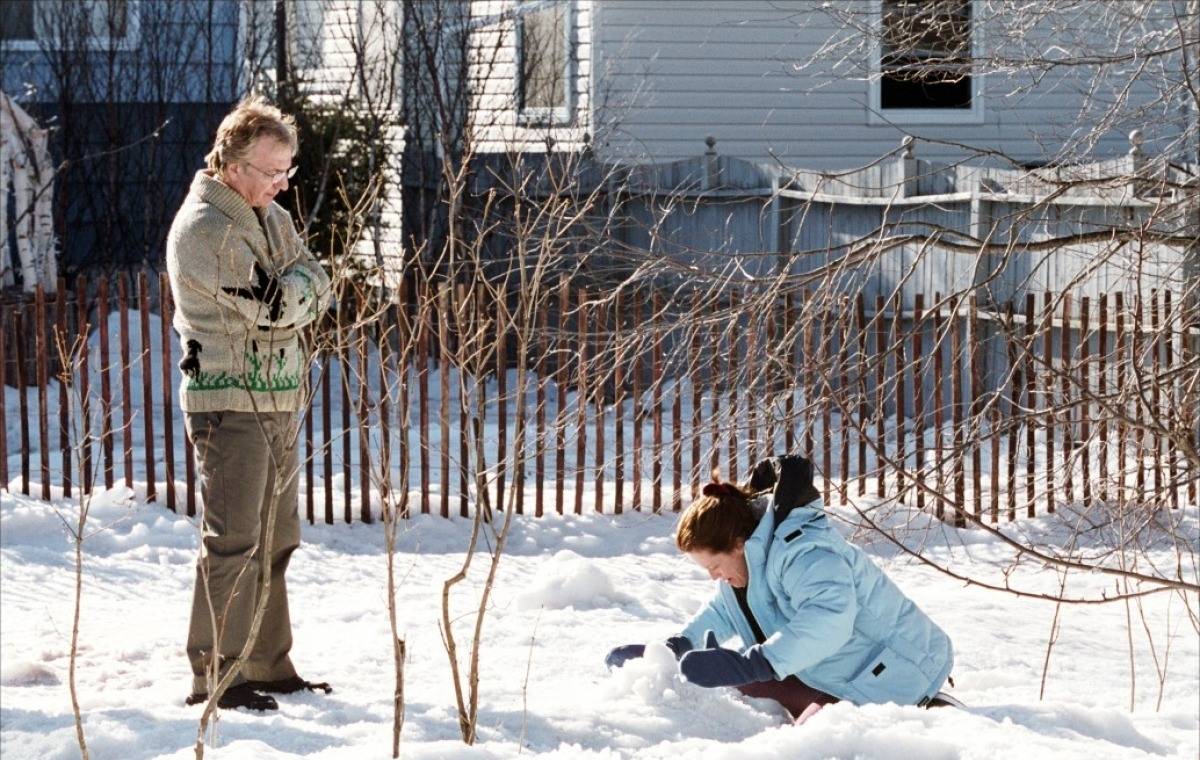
(761, 77)
(345, 54)
(783, 86)
(649, 80)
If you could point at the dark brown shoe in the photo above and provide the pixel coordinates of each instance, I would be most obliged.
(289, 686)
(241, 695)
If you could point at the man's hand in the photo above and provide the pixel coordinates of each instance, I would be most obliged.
(715, 666)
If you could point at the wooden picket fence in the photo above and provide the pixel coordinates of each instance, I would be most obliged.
(971, 407)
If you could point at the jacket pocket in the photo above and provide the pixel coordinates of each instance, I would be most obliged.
(889, 676)
(202, 425)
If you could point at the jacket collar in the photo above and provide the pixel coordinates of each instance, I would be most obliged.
(211, 190)
(770, 527)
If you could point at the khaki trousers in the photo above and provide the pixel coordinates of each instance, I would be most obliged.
(239, 456)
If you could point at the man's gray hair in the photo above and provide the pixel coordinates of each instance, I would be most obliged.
(251, 119)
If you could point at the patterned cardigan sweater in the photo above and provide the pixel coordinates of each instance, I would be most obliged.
(244, 284)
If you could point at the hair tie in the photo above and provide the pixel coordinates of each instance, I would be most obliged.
(717, 489)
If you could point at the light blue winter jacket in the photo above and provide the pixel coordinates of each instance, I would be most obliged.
(830, 616)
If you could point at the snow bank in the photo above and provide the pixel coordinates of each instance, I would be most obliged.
(569, 589)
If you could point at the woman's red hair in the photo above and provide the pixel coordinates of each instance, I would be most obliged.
(718, 521)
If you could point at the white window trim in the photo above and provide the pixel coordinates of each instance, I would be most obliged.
(545, 117)
(45, 41)
(876, 115)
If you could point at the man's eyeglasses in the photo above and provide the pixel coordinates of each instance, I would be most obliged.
(274, 176)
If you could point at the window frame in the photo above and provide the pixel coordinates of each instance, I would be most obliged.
(537, 116)
(44, 40)
(879, 116)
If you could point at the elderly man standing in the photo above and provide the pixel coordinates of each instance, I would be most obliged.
(244, 286)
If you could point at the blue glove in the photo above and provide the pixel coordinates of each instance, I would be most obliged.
(716, 666)
(623, 654)
(679, 645)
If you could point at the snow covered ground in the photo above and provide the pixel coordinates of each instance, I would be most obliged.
(569, 589)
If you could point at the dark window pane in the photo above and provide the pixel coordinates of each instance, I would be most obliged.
(925, 54)
(897, 92)
(544, 57)
(16, 20)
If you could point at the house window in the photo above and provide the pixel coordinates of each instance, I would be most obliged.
(544, 61)
(68, 24)
(110, 19)
(16, 21)
(305, 28)
(924, 57)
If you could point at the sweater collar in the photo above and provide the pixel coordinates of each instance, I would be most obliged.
(209, 189)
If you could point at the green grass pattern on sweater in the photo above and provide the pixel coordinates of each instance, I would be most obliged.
(254, 380)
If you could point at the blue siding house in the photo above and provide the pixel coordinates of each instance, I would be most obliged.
(132, 91)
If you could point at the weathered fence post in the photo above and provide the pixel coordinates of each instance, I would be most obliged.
(1085, 409)
(84, 380)
(539, 453)
(863, 367)
(106, 427)
(147, 386)
(561, 378)
(1032, 403)
(581, 394)
(164, 300)
(918, 352)
(443, 337)
(600, 320)
(656, 385)
(619, 406)
(1048, 393)
(65, 370)
(41, 358)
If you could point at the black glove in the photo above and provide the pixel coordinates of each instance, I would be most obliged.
(715, 666)
(790, 477)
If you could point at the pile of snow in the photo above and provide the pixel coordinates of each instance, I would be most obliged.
(569, 581)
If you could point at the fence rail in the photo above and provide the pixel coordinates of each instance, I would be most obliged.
(1003, 411)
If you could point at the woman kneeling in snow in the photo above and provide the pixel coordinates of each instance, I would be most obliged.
(818, 620)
